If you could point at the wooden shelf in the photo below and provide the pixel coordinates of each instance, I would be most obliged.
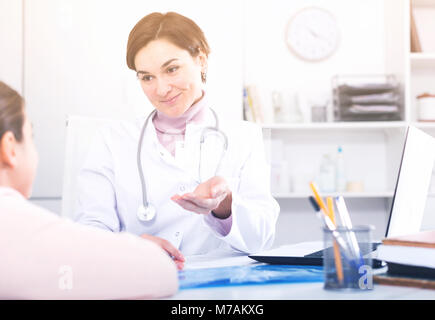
(423, 3)
(422, 59)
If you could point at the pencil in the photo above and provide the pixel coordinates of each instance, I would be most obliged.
(330, 204)
(337, 257)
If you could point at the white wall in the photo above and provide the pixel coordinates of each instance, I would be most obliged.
(11, 43)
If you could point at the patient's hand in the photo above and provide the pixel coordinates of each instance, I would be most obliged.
(175, 254)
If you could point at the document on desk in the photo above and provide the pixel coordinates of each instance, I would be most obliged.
(217, 259)
(248, 275)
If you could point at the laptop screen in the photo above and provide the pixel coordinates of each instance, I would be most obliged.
(410, 194)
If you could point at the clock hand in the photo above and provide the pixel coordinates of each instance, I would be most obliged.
(314, 34)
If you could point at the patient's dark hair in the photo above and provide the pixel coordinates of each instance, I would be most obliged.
(11, 112)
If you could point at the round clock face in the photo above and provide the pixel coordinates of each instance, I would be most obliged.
(312, 34)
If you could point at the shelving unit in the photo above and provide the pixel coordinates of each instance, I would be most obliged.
(366, 146)
(374, 125)
(421, 65)
(381, 142)
(303, 195)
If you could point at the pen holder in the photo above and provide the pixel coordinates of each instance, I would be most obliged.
(347, 261)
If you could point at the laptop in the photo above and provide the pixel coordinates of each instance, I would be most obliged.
(407, 207)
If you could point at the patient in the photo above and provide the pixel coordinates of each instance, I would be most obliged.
(44, 256)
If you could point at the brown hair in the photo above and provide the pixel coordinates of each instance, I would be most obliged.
(11, 112)
(178, 29)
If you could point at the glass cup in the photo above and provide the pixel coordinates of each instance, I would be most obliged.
(347, 263)
(318, 113)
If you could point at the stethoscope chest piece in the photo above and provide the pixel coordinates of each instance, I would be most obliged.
(146, 214)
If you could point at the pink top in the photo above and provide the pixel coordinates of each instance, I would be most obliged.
(44, 256)
(171, 130)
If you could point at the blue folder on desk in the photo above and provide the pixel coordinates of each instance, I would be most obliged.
(248, 275)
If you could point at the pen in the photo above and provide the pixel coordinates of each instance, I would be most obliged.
(343, 212)
(330, 225)
(316, 207)
(337, 258)
(319, 200)
(345, 219)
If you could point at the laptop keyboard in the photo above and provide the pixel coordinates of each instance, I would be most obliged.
(364, 250)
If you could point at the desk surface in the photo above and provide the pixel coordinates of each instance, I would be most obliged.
(288, 291)
(304, 291)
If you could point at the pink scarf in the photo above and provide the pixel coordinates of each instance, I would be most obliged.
(170, 130)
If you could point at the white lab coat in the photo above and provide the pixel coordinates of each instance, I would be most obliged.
(110, 189)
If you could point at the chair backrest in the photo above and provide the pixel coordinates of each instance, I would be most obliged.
(80, 132)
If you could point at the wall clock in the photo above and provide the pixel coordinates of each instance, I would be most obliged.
(312, 34)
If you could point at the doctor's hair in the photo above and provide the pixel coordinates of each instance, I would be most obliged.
(11, 112)
(179, 30)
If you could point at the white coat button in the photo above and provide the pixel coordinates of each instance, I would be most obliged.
(177, 234)
(182, 188)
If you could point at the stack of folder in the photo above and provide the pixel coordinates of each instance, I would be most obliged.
(366, 99)
(410, 260)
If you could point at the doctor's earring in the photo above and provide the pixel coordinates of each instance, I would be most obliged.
(204, 77)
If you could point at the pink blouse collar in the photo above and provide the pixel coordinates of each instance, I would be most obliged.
(170, 125)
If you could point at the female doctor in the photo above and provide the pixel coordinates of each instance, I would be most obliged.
(181, 177)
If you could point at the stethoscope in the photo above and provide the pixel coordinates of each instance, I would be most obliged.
(146, 211)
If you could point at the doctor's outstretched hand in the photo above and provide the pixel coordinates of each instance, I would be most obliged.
(212, 195)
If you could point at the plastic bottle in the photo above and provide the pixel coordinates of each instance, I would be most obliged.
(327, 174)
(340, 174)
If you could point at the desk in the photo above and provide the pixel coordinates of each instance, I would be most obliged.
(288, 291)
(305, 291)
